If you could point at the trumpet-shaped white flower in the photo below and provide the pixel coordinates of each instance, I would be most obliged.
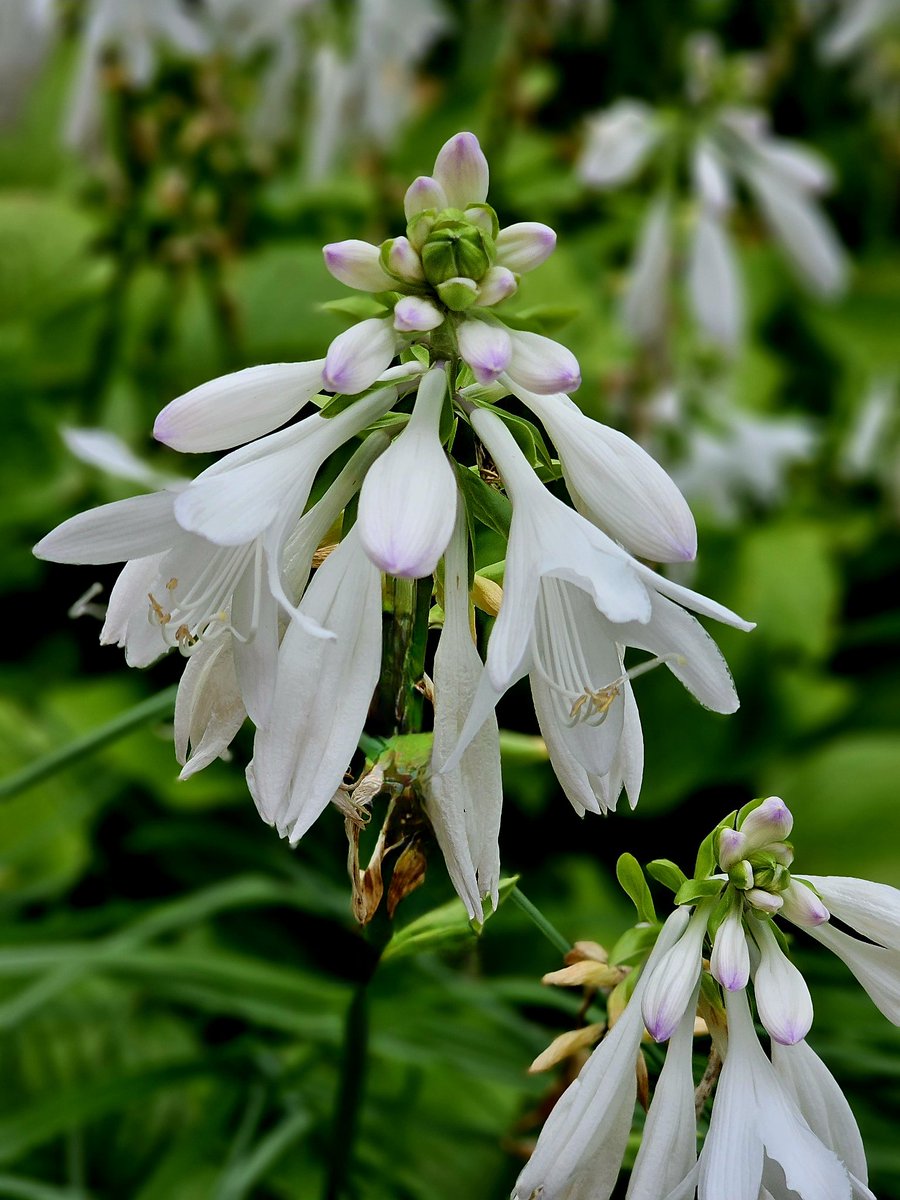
(464, 804)
(645, 307)
(357, 357)
(674, 978)
(876, 967)
(872, 909)
(407, 505)
(580, 1149)
(322, 693)
(713, 281)
(782, 997)
(209, 707)
(619, 143)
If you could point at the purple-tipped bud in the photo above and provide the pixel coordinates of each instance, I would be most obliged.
(496, 285)
(732, 848)
(542, 365)
(486, 348)
(782, 997)
(730, 959)
(524, 246)
(673, 980)
(770, 822)
(357, 357)
(462, 171)
(402, 259)
(414, 314)
(424, 193)
(764, 901)
(802, 906)
(357, 264)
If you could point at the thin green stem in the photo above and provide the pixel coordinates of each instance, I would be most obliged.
(537, 918)
(57, 760)
(350, 1093)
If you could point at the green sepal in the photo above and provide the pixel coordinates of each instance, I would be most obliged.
(729, 901)
(419, 352)
(484, 217)
(492, 508)
(694, 890)
(664, 871)
(634, 945)
(707, 855)
(633, 882)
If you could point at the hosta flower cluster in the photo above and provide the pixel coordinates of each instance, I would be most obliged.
(270, 569)
(780, 1126)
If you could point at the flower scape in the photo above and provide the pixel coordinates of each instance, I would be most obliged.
(393, 488)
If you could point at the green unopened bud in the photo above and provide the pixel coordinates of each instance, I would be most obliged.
(741, 875)
(772, 879)
(484, 217)
(456, 249)
(420, 226)
(458, 294)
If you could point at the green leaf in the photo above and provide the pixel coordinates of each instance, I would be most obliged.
(698, 889)
(634, 883)
(357, 308)
(669, 874)
(634, 945)
(542, 318)
(445, 926)
(529, 440)
(489, 506)
(706, 855)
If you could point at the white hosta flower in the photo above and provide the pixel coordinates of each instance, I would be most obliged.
(209, 707)
(486, 347)
(712, 182)
(464, 804)
(802, 906)
(668, 1149)
(619, 142)
(239, 407)
(358, 356)
(358, 265)
(713, 283)
(580, 1149)
(407, 505)
(646, 304)
(857, 22)
(674, 978)
(415, 314)
(133, 31)
(615, 483)
(524, 246)
(872, 909)
(99, 448)
(322, 693)
(782, 997)
(495, 285)
(877, 968)
(462, 171)
(542, 365)
(730, 959)
(755, 1119)
(27, 30)
(771, 821)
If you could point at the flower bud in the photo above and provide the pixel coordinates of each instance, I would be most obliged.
(462, 170)
(730, 959)
(802, 906)
(456, 248)
(764, 901)
(525, 245)
(770, 822)
(415, 314)
(542, 365)
(672, 982)
(782, 997)
(419, 227)
(357, 357)
(486, 348)
(424, 193)
(741, 875)
(357, 264)
(732, 848)
(484, 217)
(496, 285)
(399, 256)
(458, 293)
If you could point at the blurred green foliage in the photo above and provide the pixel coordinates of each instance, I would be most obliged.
(173, 979)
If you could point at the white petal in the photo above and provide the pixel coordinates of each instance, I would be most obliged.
(646, 304)
(132, 528)
(416, 314)
(322, 694)
(524, 246)
(782, 997)
(238, 408)
(358, 356)
(619, 141)
(495, 285)
(693, 600)
(542, 365)
(208, 708)
(462, 171)
(407, 504)
(255, 659)
(872, 909)
(713, 282)
(422, 194)
(671, 984)
(615, 483)
(487, 348)
(128, 621)
(710, 176)
(822, 1103)
(105, 450)
(358, 265)
(801, 905)
(876, 967)
(730, 959)
(799, 165)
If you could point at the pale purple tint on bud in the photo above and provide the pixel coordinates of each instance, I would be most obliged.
(462, 171)
(414, 314)
(404, 261)
(765, 901)
(486, 348)
(524, 246)
(358, 356)
(770, 822)
(730, 959)
(671, 985)
(422, 194)
(542, 365)
(496, 285)
(356, 264)
(732, 848)
(802, 906)
(782, 997)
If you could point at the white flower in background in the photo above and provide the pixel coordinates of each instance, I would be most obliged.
(581, 1147)
(132, 31)
(27, 32)
(858, 24)
(618, 143)
(464, 804)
